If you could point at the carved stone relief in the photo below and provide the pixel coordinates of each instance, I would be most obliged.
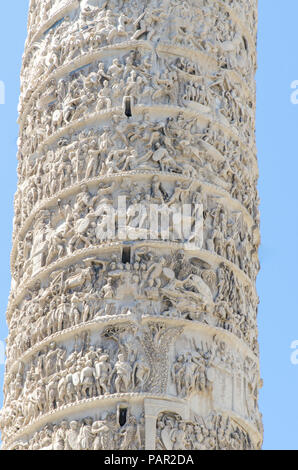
(128, 331)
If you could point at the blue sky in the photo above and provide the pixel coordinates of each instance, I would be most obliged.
(277, 139)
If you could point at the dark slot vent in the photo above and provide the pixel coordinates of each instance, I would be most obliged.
(122, 416)
(126, 255)
(245, 43)
(127, 106)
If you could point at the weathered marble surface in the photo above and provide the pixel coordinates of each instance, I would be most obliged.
(133, 341)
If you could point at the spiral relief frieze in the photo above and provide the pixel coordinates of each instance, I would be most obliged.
(133, 308)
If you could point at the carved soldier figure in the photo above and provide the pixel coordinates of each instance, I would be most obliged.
(103, 373)
(88, 380)
(153, 102)
(123, 373)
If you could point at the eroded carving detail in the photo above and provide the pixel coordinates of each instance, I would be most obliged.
(147, 106)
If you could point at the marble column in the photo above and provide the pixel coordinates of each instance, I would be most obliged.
(133, 308)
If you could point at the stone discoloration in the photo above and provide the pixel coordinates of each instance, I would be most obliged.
(134, 338)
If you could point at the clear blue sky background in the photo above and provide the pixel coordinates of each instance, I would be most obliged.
(277, 135)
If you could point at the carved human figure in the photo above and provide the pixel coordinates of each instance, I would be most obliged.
(123, 372)
(103, 373)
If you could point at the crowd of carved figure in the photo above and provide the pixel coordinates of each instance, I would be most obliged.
(171, 286)
(90, 218)
(124, 362)
(210, 30)
(146, 104)
(173, 146)
(182, 141)
(215, 432)
(104, 433)
(41, 12)
(131, 81)
(54, 381)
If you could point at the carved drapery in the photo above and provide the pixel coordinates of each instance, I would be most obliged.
(122, 336)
